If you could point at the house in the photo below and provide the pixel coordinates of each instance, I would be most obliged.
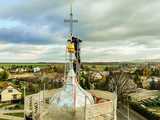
(154, 82)
(145, 82)
(10, 93)
(97, 76)
(36, 69)
(153, 78)
(18, 70)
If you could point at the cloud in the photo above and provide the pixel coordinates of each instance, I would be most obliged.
(21, 53)
(23, 34)
(31, 53)
(111, 30)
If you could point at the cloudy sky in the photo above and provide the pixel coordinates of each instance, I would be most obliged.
(111, 30)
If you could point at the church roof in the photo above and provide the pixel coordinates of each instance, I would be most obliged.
(72, 94)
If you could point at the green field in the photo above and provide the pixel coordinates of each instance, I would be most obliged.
(8, 65)
(3, 119)
(15, 114)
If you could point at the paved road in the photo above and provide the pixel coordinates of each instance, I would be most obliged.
(122, 114)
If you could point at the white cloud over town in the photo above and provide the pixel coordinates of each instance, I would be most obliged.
(111, 30)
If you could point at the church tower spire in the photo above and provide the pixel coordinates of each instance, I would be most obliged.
(72, 95)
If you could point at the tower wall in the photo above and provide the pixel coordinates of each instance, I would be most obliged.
(104, 110)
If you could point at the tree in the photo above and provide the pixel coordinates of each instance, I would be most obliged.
(106, 68)
(59, 69)
(121, 83)
(86, 68)
(4, 75)
(82, 81)
(85, 81)
(152, 84)
(137, 77)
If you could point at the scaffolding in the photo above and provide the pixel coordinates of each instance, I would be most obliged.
(39, 109)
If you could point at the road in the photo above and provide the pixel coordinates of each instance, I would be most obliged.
(122, 114)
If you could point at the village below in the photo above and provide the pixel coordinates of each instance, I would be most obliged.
(79, 60)
(137, 86)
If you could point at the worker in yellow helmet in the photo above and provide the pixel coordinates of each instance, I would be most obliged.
(70, 47)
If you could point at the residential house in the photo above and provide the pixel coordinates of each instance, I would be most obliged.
(10, 93)
(36, 69)
(97, 76)
(154, 82)
(145, 82)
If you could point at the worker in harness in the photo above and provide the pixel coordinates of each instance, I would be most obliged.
(74, 48)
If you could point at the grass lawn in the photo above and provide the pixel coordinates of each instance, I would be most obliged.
(154, 109)
(15, 114)
(3, 119)
(17, 107)
(4, 104)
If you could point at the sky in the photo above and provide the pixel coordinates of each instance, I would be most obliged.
(111, 30)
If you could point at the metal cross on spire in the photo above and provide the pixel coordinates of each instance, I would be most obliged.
(71, 20)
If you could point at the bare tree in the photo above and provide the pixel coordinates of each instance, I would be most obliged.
(121, 83)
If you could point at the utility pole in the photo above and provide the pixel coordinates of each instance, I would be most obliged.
(85, 109)
(128, 107)
(39, 97)
(24, 95)
(115, 103)
(44, 88)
